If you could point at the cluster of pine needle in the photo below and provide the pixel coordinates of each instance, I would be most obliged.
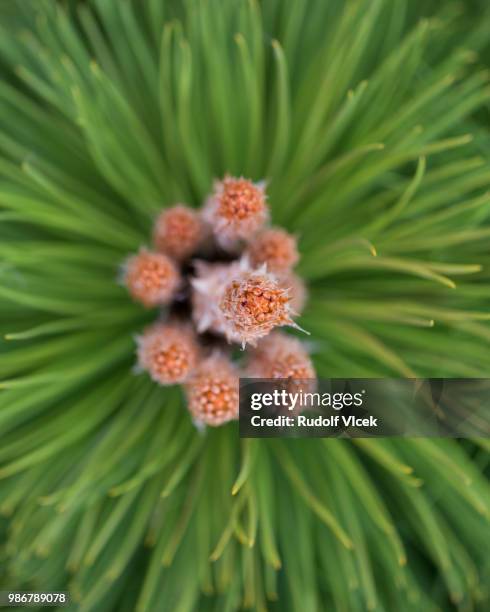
(370, 124)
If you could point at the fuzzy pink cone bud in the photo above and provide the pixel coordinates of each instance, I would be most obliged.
(151, 278)
(297, 290)
(236, 210)
(168, 352)
(212, 391)
(178, 232)
(253, 304)
(275, 248)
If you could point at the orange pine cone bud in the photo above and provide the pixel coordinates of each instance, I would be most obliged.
(212, 391)
(178, 232)
(151, 278)
(236, 210)
(275, 248)
(281, 356)
(168, 352)
(252, 304)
